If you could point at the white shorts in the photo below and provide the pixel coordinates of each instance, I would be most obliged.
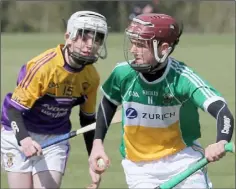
(54, 158)
(152, 174)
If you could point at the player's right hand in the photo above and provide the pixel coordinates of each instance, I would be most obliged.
(97, 153)
(30, 147)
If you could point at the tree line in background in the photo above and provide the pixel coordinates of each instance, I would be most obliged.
(46, 16)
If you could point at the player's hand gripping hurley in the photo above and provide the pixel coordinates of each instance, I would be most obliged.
(192, 169)
(67, 136)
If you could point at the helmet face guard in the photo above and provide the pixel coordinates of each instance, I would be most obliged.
(97, 49)
(146, 33)
(137, 52)
(83, 26)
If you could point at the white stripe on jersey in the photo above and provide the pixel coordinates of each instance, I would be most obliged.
(104, 114)
(109, 98)
(122, 64)
(211, 100)
(193, 78)
(194, 82)
(24, 107)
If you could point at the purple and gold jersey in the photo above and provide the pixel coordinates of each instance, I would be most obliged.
(47, 89)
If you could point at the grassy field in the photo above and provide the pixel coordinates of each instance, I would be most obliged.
(212, 56)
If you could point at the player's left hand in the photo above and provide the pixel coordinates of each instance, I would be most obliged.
(96, 179)
(215, 151)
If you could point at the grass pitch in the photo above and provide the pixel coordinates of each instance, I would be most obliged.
(212, 56)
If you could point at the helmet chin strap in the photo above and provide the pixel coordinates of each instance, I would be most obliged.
(155, 48)
(69, 59)
(80, 59)
(73, 64)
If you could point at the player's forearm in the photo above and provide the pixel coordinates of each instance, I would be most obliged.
(224, 118)
(106, 111)
(88, 136)
(17, 124)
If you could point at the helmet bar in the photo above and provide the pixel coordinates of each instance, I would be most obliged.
(137, 36)
(143, 22)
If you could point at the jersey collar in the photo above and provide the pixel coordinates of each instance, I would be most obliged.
(161, 78)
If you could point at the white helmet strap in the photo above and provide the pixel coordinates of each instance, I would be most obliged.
(155, 48)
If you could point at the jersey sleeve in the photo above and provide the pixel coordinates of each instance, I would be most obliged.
(29, 88)
(111, 87)
(89, 107)
(198, 90)
(21, 74)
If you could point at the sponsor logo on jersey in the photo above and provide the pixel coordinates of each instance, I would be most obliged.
(150, 93)
(131, 113)
(53, 111)
(16, 99)
(150, 115)
(53, 85)
(134, 94)
(15, 127)
(227, 125)
(85, 86)
(158, 116)
(167, 98)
